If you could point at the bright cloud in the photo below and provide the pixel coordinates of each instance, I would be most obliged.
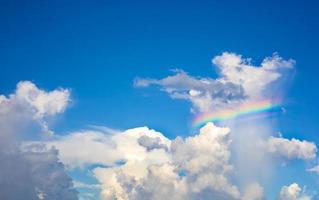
(293, 192)
(238, 80)
(141, 163)
(254, 79)
(30, 105)
(84, 148)
(292, 149)
(44, 103)
(189, 168)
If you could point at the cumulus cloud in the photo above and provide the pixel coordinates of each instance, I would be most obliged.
(254, 79)
(238, 81)
(30, 106)
(292, 149)
(141, 163)
(43, 103)
(31, 171)
(293, 192)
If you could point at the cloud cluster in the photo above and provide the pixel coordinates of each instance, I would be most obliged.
(238, 81)
(141, 163)
(293, 192)
(31, 171)
(191, 168)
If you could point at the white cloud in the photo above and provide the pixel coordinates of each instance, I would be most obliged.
(293, 192)
(253, 192)
(30, 106)
(83, 148)
(31, 171)
(254, 79)
(141, 163)
(44, 103)
(238, 81)
(158, 168)
(80, 149)
(292, 149)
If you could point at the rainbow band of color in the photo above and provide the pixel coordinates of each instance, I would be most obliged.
(248, 111)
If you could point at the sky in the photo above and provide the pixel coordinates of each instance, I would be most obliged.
(106, 92)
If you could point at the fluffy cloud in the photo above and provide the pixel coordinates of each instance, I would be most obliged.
(238, 81)
(254, 79)
(292, 149)
(31, 171)
(141, 163)
(29, 107)
(43, 103)
(97, 147)
(293, 192)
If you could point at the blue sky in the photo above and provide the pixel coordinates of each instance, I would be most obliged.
(96, 49)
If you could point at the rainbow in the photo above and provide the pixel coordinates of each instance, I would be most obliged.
(250, 110)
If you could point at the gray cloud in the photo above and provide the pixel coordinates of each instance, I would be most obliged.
(31, 171)
(151, 143)
(204, 93)
(238, 81)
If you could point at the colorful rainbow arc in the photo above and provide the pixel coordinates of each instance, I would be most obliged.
(249, 110)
